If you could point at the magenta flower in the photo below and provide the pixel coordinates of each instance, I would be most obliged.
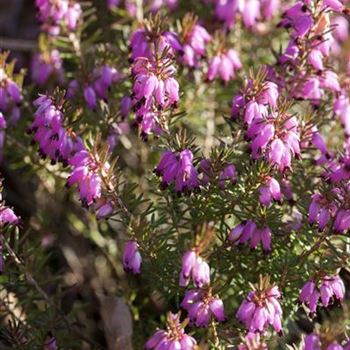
(270, 191)
(173, 338)
(227, 175)
(194, 266)
(291, 53)
(299, 18)
(10, 97)
(154, 86)
(87, 175)
(327, 289)
(270, 8)
(342, 220)
(178, 169)
(101, 80)
(321, 211)
(8, 216)
(248, 231)
(341, 109)
(335, 5)
(103, 208)
(112, 4)
(131, 257)
(194, 45)
(155, 89)
(73, 88)
(202, 307)
(206, 170)
(278, 139)
(48, 131)
(341, 28)
(125, 106)
(254, 108)
(251, 11)
(252, 341)
(54, 14)
(90, 97)
(312, 342)
(50, 342)
(224, 65)
(143, 44)
(47, 67)
(260, 309)
(315, 58)
(157, 4)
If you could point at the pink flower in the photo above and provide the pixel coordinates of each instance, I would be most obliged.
(155, 89)
(194, 45)
(178, 169)
(202, 306)
(8, 216)
(194, 266)
(248, 231)
(224, 65)
(327, 289)
(131, 257)
(47, 66)
(312, 342)
(173, 338)
(270, 191)
(227, 175)
(260, 309)
(48, 131)
(53, 14)
(90, 97)
(320, 211)
(87, 174)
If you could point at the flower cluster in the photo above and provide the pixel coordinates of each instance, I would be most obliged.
(47, 66)
(149, 44)
(328, 288)
(154, 84)
(153, 5)
(131, 257)
(270, 190)
(49, 132)
(194, 266)
(321, 210)
(88, 172)
(59, 144)
(251, 11)
(248, 231)
(100, 82)
(274, 135)
(331, 205)
(174, 337)
(10, 95)
(311, 42)
(252, 341)
(7, 215)
(341, 109)
(178, 168)
(261, 308)
(53, 14)
(224, 65)
(202, 306)
(315, 341)
(194, 39)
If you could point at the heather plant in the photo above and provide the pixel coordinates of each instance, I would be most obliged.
(176, 177)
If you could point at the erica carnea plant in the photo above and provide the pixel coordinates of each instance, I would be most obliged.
(176, 177)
